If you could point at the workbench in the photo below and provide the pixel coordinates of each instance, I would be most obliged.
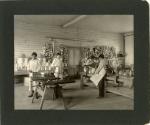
(19, 76)
(50, 88)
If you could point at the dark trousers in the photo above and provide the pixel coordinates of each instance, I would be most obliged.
(101, 87)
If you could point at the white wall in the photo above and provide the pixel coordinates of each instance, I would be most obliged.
(30, 37)
(129, 49)
(74, 55)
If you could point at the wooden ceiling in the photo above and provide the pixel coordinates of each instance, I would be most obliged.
(100, 23)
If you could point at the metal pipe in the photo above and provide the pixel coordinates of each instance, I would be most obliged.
(71, 22)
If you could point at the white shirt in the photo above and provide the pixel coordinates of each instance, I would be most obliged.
(57, 62)
(58, 65)
(102, 64)
(34, 65)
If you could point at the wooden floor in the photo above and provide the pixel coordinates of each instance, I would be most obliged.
(123, 91)
(76, 99)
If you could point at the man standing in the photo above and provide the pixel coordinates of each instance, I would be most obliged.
(98, 77)
(33, 66)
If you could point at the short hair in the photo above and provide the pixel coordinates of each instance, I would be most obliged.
(101, 56)
(58, 54)
(35, 54)
(91, 57)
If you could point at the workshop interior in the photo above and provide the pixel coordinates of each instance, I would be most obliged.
(73, 62)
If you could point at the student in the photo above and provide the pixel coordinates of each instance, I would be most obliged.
(57, 65)
(47, 64)
(33, 66)
(43, 63)
(101, 68)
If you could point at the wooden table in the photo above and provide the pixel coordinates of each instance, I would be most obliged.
(126, 89)
(127, 81)
(50, 88)
(19, 76)
(21, 73)
(112, 78)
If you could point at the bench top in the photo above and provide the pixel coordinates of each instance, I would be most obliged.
(56, 82)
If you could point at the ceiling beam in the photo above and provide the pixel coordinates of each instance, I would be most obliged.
(75, 20)
(70, 39)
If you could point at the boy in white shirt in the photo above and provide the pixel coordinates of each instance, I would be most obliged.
(33, 66)
(57, 65)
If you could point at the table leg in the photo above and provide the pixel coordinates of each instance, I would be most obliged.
(53, 93)
(81, 82)
(34, 94)
(59, 90)
(42, 100)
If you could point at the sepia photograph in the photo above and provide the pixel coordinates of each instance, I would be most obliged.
(73, 62)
